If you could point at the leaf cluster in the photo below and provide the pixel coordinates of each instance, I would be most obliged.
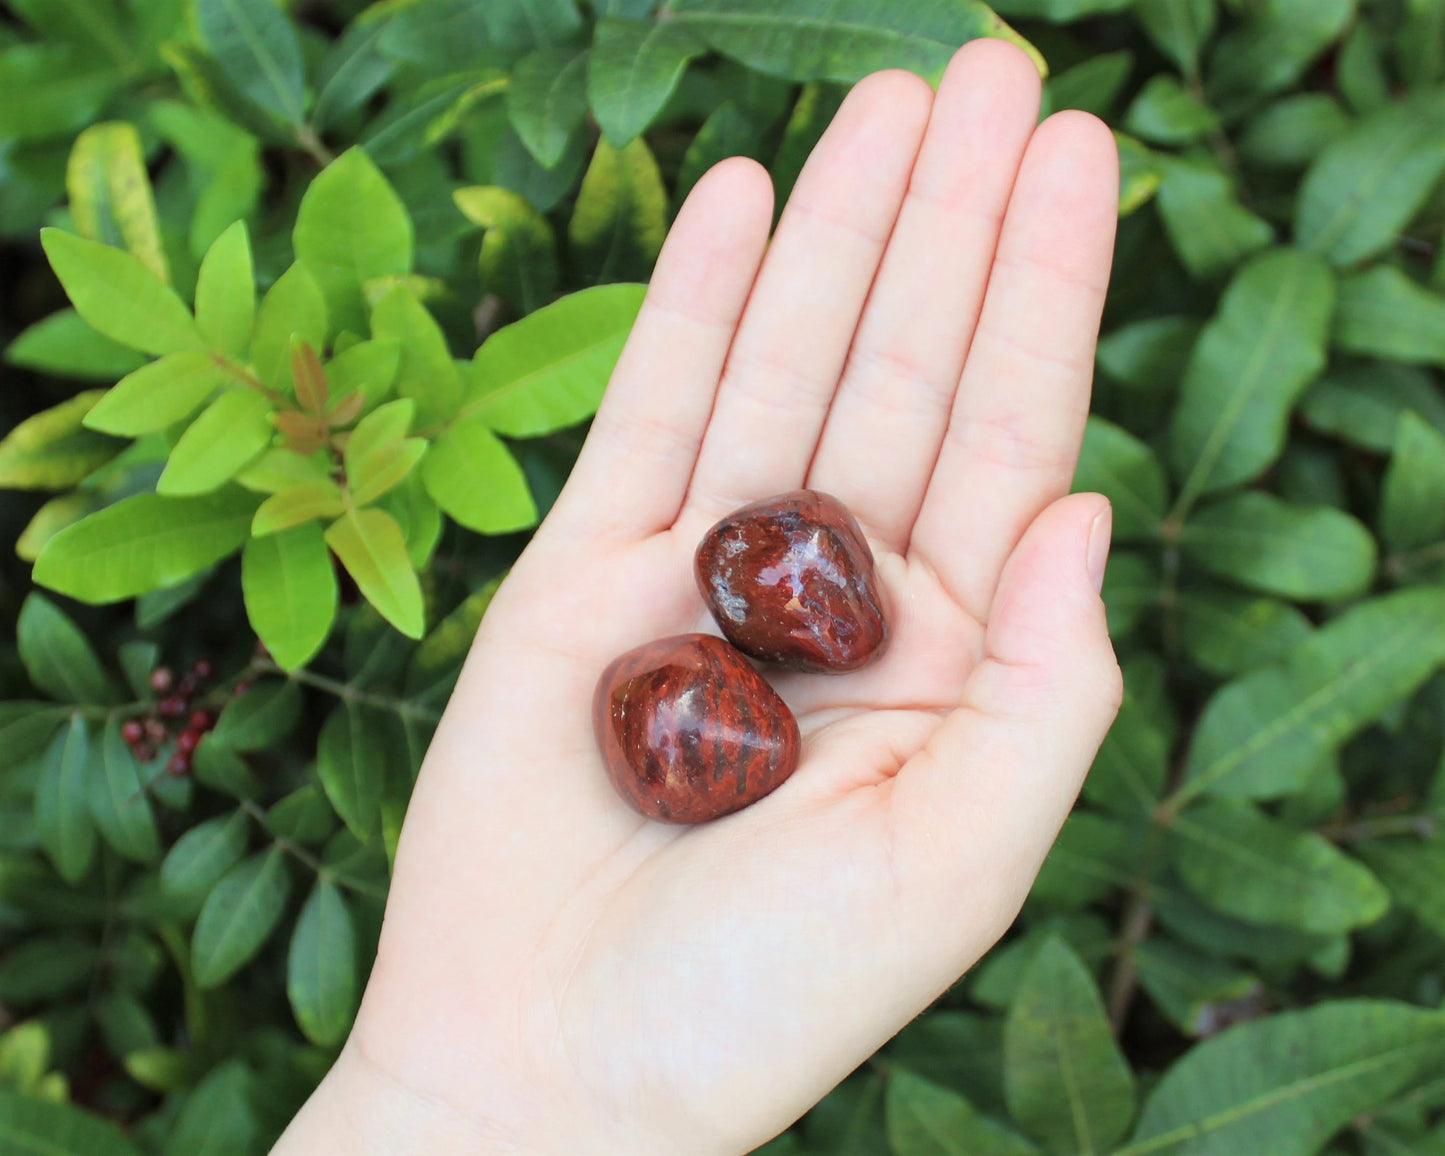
(326, 293)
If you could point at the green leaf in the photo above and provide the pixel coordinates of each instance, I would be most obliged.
(1118, 465)
(256, 46)
(351, 228)
(1292, 131)
(1140, 173)
(1229, 634)
(57, 655)
(65, 345)
(727, 132)
(1273, 49)
(297, 504)
(378, 455)
(1285, 1084)
(1361, 403)
(354, 69)
(370, 366)
(351, 762)
(1166, 113)
(371, 547)
(1267, 544)
(294, 309)
(428, 373)
(321, 979)
(1066, 1081)
(474, 478)
(1359, 195)
(44, 967)
(52, 449)
(1187, 986)
(1254, 868)
(1384, 313)
(633, 69)
(547, 100)
(157, 395)
(1208, 227)
(1360, 71)
(218, 1118)
(1092, 856)
(303, 816)
(226, 292)
(1149, 354)
(110, 193)
(239, 915)
(204, 854)
(65, 89)
(219, 767)
(548, 370)
(842, 40)
(1253, 359)
(1093, 84)
(1412, 504)
(926, 1120)
(1263, 734)
(265, 714)
(1180, 28)
(1131, 586)
(62, 811)
(118, 801)
(26, 727)
(230, 432)
(119, 296)
(1129, 771)
(291, 593)
(436, 662)
(620, 219)
(143, 543)
(519, 254)
(29, 1125)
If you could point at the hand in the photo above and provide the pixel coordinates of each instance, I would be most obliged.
(559, 975)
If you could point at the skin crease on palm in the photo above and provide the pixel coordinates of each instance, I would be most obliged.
(557, 974)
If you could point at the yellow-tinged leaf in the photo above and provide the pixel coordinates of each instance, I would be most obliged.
(296, 504)
(110, 193)
(372, 547)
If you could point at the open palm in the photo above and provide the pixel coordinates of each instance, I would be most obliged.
(557, 973)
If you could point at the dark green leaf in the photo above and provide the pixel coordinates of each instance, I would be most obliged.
(321, 978)
(1362, 403)
(1383, 313)
(926, 1120)
(1229, 634)
(303, 816)
(1092, 856)
(1166, 113)
(66, 345)
(239, 915)
(351, 762)
(547, 100)
(57, 655)
(352, 72)
(1181, 28)
(65, 88)
(1412, 505)
(218, 1118)
(1149, 354)
(633, 68)
(1292, 131)
(1271, 50)
(1130, 769)
(204, 854)
(263, 715)
(1125, 470)
(519, 254)
(29, 1125)
(256, 46)
(42, 968)
(1187, 986)
(1092, 85)
(62, 810)
(118, 800)
(1208, 227)
(620, 219)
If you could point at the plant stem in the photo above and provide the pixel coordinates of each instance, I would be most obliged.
(350, 693)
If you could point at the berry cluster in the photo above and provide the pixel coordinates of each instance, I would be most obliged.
(172, 717)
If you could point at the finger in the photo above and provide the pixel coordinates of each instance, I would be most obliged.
(976, 811)
(633, 472)
(800, 319)
(891, 408)
(1014, 433)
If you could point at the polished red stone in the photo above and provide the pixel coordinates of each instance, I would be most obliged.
(790, 580)
(690, 731)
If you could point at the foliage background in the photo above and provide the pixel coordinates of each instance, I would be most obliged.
(1238, 945)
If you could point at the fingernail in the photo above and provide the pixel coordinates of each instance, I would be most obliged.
(1100, 534)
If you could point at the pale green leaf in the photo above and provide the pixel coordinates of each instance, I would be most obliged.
(474, 478)
(1066, 1081)
(633, 69)
(428, 373)
(297, 503)
(294, 309)
(239, 915)
(548, 370)
(230, 432)
(370, 366)
(1252, 361)
(1277, 547)
(143, 543)
(1285, 1084)
(291, 594)
(620, 218)
(371, 546)
(226, 292)
(1363, 190)
(321, 977)
(1262, 735)
(119, 296)
(157, 395)
(351, 228)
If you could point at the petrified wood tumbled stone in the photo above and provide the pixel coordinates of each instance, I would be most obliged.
(690, 731)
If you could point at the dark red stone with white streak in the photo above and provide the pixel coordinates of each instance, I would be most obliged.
(790, 580)
(690, 731)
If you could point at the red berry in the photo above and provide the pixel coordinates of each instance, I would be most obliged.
(155, 730)
(186, 741)
(240, 688)
(145, 752)
(202, 721)
(179, 764)
(202, 669)
(174, 706)
(161, 679)
(187, 686)
(132, 732)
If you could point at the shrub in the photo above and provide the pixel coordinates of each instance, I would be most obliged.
(1236, 945)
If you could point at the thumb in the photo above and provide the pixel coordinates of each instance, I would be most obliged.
(976, 811)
